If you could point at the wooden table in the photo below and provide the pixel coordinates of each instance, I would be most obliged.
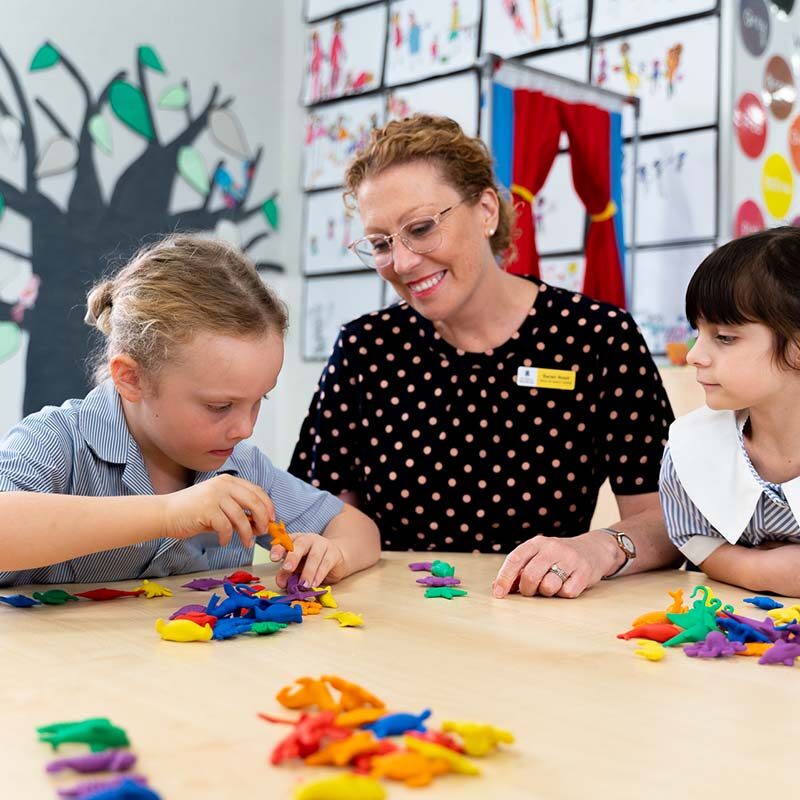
(591, 719)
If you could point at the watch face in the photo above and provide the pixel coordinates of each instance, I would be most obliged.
(627, 545)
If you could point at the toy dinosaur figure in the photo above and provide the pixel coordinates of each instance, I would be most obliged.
(97, 732)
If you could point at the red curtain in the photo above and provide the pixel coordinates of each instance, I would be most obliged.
(537, 129)
(589, 131)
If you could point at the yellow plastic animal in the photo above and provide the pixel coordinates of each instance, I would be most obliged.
(346, 619)
(151, 589)
(478, 739)
(342, 787)
(183, 630)
(652, 651)
(327, 598)
(455, 761)
(784, 616)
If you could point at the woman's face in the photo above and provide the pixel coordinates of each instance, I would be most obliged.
(437, 284)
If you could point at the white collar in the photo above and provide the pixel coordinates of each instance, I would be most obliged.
(712, 469)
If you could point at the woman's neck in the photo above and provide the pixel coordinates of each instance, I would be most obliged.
(496, 309)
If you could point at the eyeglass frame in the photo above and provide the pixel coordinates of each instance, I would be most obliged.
(391, 237)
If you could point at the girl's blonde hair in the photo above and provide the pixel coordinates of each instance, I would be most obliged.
(464, 162)
(174, 289)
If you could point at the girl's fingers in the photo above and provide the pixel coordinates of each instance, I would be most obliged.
(238, 519)
(314, 559)
(277, 552)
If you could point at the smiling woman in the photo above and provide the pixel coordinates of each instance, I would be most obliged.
(483, 411)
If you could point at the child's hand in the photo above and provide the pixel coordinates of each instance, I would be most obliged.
(316, 558)
(224, 505)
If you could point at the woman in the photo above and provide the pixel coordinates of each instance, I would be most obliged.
(484, 411)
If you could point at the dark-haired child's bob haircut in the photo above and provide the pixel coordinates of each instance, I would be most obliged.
(752, 279)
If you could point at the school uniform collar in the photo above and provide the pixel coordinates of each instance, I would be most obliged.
(711, 466)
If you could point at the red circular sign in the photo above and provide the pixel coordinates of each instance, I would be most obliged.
(749, 219)
(794, 142)
(750, 122)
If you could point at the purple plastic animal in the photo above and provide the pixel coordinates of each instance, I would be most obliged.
(421, 566)
(202, 584)
(91, 788)
(295, 590)
(715, 645)
(105, 761)
(187, 610)
(782, 652)
(432, 580)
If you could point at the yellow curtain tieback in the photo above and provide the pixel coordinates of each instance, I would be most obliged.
(521, 191)
(606, 213)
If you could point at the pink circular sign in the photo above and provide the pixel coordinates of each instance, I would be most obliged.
(749, 219)
(750, 122)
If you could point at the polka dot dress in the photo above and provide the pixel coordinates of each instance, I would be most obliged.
(446, 452)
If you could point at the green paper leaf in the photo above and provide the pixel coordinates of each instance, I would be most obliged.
(270, 209)
(130, 106)
(192, 168)
(100, 130)
(2, 205)
(175, 97)
(149, 58)
(10, 340)
(46, 56)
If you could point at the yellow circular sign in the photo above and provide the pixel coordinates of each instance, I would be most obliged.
(777, 184)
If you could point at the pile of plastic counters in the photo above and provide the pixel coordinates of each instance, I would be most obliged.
(710, 629)
(59, 597)
(343, 725)
(441, 582)
(247, 608)
(106, 742)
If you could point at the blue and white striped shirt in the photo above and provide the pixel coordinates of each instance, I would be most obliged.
(85, 448)
(762, 509)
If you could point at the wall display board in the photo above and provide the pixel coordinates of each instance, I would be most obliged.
(610, 16)
(329, 228)
(317, 9)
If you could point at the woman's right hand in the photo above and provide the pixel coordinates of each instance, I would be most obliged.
(224, 505)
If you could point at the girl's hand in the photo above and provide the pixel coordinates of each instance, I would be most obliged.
(224, 504)
(316, 558)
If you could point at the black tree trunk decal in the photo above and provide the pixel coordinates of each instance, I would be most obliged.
(69, 247)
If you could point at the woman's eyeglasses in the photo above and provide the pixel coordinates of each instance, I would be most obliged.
(421, 236)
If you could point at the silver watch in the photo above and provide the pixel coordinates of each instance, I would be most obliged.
(625, 543)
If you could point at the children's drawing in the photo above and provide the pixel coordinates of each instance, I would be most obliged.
(329, 228)
(344, 55)
(676, 184)
(559, 215)
(330, 302)
(334, 134)
(317, 9)
(661, 276)
(564, 271)
(673, 70)
(456, 97)
(609, 16)
(512, 27)
(571, 62)
(430, 38)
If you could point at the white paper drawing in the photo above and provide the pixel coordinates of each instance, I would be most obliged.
(512, 27)
(344, 55)
(430, 38)
(329, 228)
(456, 97)
(559, 216)
(317, 9)
(609, 16)
(334, 134)
(330, 302)
(571, 62)
(564, 271)
(672, 69)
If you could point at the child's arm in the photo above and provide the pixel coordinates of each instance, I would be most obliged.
(776, 569)
(350, 542)
(38, 529)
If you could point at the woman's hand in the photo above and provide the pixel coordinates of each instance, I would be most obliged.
(316, 558)
(583, 559)
(224, 504)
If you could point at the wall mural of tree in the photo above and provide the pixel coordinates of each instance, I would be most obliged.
(70, 246)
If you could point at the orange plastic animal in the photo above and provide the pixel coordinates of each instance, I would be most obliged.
(277, 530)
(411, 768)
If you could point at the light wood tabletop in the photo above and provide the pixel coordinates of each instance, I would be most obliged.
(591, 719)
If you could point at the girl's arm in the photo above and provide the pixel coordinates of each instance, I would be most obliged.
(38, 529)
(776, 569)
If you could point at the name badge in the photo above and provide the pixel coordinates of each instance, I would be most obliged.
(546, 378)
